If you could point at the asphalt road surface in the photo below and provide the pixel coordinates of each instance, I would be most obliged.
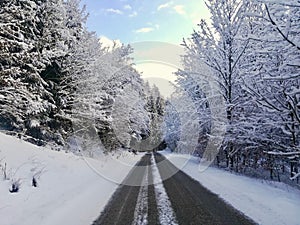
(191, 203)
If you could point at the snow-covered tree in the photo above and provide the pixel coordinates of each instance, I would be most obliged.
(273, 75)
(252, 50)
(172, 126)
(276, 67)
(219, 46)
(57, 81)
(25, 99)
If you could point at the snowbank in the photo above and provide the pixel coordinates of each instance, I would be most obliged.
(267, 203)
(71, 189)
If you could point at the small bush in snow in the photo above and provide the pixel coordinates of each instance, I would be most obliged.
(36, 176)
(34, 182)
(15, 186)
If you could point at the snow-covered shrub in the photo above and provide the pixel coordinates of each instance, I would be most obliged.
(15, 186)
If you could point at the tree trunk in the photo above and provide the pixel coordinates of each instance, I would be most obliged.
(227, 158)
(271, 167)
(231, 162)
(292, 168)
(218, 160)
(237, 163)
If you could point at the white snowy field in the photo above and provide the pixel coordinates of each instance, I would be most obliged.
(266, 202)
(71, 189)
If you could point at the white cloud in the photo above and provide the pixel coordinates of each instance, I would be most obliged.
(149, 28)
(179, 9)
(166, 5)
(127, 7)
(115, 11)
(134, 14)
(145, 30)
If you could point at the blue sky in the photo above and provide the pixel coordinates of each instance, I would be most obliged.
(145, 20)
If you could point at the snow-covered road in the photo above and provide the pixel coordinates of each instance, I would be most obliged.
(178, 199)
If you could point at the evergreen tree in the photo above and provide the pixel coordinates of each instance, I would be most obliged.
(25, 99)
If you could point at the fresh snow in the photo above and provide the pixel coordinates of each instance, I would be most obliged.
(34, 123)
(165, 210)
(71, 189)
(266, 202)
(141, 208)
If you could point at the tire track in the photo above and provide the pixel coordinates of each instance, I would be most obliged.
(194, 204)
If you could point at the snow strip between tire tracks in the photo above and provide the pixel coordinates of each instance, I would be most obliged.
(166, 213)
(141, 208)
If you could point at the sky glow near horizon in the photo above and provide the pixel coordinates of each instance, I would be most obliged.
(133, 21)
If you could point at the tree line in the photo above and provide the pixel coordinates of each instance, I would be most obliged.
(253, 50)
(59, 84)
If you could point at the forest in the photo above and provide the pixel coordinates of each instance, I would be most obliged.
(60, 86)
(253, 51)
(58, 83)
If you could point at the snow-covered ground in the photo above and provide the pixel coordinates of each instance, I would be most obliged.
(74, 190)
(267, 203)
(71, 189)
